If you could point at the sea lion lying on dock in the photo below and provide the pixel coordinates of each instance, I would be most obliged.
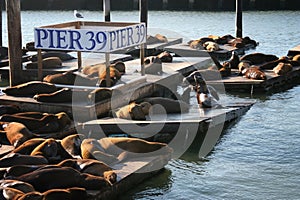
(62, 177)
(42, 123)
(19, 185)
(254, 73)
(165, 56)
(60, 96)
(47, 63)
(12, 159)
(211, 46)
(91, 166)
(30, 89)
(282, 68)
(96, 70)
(28, 146)
(114, 150)
(63, 56)
(72, 144)
(9, 109)
(157, 38)
(132, 111)
(274, 63)
(259, 58)
(153, 65)
(100, 94)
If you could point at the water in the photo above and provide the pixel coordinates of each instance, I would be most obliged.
(259, 156)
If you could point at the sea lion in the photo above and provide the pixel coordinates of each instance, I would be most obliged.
(211, 46)
(100, 94)
(30, 89)
(165, 57)
(63, 56)
(254, 73)
(28, 146)
(18, 170)
(62, 177)
(19, 185)
(17, 133)
(97, 69)
(282, 68)
(158, 38)
(225, 70)
(72, 144)
(19, 159)
(30, 196)
(91, 166)
(272, 64)
(113, 150)
(258, 58)
(10, 193)
(133, 111)
(234, 60)
(153, 65)
(170, 105)
(63, 95)
(207, 96)
(47, 63)
(243, 65)
(296, 58)
(51, 150)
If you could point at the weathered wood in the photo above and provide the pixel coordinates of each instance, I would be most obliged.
(14, 41)
(1, 28)
(106, 10)
(239, 18)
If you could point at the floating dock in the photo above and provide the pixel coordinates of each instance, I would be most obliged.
(294, 51)
(273, 82)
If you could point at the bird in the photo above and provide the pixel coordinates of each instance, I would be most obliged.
(207, 96)
(77, 14)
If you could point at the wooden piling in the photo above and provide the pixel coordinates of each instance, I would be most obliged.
(1, 44)
(239, 19)
(143, 18)
(106, 9)
(13, 8)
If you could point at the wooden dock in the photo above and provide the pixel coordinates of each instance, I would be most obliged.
(132, 83)
(273, 82)
(185, 130)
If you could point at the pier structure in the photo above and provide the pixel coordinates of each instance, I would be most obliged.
(212, 5)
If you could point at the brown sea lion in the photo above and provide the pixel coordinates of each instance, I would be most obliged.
(51, 150)
(170, 105)
(16, 133)
(272, 64)
(61, 96)
(211, 46)
(133, 111)
(153, 65)
(91, 166)
(30, 89)
(99, 94)
(282, 68)
(296, 58)
(30, 196)
(19, 185)
(28, 146)
(47, 63)
(234, 60)
(254, 73)
(18, 170)
(19, 159)
(62, 177)
(165, 56)
(243, 65)
(258, 58)
(7, 193)
(72, 144)
(157, 38)
(225, 71)
(99, 69)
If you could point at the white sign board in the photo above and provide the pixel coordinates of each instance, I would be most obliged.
(98, 39)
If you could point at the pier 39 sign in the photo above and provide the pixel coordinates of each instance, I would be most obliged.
(90, 38)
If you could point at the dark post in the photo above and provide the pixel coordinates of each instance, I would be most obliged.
(1, 44)
(143, 18)
(239, 19)
(106, 10)
(13, 9)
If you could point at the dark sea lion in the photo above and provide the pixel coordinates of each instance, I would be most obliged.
(19, 159)
(30, 89)
(225, 70)
(66, 78)
(100, 94)
(272, 64)
(170, 105)
(254, 73)
(63, 56)
(19, 185)
(234, 60)
(63, 95)
(153, 65)
(18, 170)
(282, 68)
(9, 109)
(47, 63)
(62, 178)
(7, 193)
(31, 196)
(259, 58)
(17, 133)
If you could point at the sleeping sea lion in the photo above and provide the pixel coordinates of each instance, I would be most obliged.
(16, 133)
(211, 46)
(133, 111)
(100, 94)
(153, 65)
(254, 73)
(12, 159)
(28, 146)
(10, 193)
(243, 65)
(282, 68)
(62, 177)
(47, 63)
(165, 56)
(72, 144)
(60, 96)
(258, 58)
(63, 56)
(19, 185)
(9, 109)
(30, 89)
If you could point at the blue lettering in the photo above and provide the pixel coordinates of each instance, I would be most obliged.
(61, 38)
(129, 35)
(51, 45)
(74, 39)
(112, 36)
(118, 41)
(41, 35)
(123, 37)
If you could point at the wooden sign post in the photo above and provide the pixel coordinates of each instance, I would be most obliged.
(144, 19)
(239, 19)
